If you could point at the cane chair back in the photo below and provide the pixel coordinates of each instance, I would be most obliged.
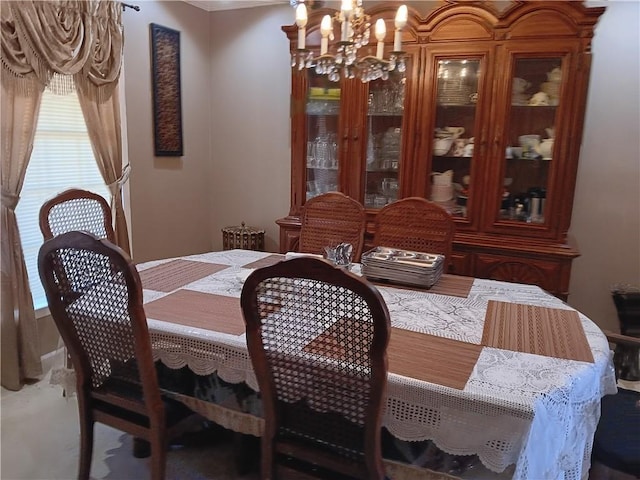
(626, 359)
(317, 337)
(95, 298)
(76, 209)
(415, 224)
(330, 219)
(627, 301)
(616, 443)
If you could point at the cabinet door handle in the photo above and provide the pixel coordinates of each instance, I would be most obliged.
(356, 135)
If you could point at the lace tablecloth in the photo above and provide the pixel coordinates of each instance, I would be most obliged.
(535, 412)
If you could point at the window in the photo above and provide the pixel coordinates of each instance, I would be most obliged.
(62, 158)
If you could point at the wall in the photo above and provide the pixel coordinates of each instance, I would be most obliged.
(236, 84)
(250, 127)
(606, 213)
(171, 197)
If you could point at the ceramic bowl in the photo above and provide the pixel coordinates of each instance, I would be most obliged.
(529, 140)
(516, 152)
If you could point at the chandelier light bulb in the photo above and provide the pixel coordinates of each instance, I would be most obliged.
(326, 28)
(301, 21)
(381, 31)
(400, 22)
(345, 16)
(401, 17)
(346, 9)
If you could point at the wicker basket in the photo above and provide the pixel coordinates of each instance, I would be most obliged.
(245, 238)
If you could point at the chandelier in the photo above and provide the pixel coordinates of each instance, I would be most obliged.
(344, 61)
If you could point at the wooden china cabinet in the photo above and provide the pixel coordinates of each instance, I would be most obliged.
(486, 120)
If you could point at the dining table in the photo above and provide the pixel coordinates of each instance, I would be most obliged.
(502, 371)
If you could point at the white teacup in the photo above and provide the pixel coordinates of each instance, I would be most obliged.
(455, 132)
(555, 75)
(520, 85)
(539, 99)
(441, 146)
(468, 150)
(459, 146)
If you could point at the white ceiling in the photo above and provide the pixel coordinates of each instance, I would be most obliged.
(213, 5)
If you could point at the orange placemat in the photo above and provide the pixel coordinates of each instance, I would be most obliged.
(552, 332)
(200, 310)
(177, 273)
(265, 262)
(438, 360)
(452, 285)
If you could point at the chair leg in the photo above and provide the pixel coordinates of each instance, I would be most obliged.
(159, 446)
(246, 450)
(267, 461)
(141, 448)
(86, 447)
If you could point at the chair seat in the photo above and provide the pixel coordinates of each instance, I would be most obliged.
(617, 440)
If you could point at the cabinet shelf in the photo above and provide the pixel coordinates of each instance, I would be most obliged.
(323, 114)
(529, 159)
(534, 107)
(385, 114)
(383, 170)
(467, 106)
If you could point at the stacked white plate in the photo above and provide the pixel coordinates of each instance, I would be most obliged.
(403, 266)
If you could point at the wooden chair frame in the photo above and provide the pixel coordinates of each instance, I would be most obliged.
(92, 214)
(620, 421)
(276, 447)
(332, 218)
(415, 224)
(137, 406)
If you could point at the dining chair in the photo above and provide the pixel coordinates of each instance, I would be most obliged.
(317, 338)
(76, 209)
(626, 299)
(330, 219)
(95, 298)
(616, 443)
(416, 224)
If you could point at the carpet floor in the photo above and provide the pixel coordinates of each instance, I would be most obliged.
(40, 441)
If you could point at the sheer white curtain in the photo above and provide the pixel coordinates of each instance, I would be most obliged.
(42, 44)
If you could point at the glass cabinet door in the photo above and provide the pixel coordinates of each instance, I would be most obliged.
(530, 135)
(384, 118)
(323, 113)
(454, 136)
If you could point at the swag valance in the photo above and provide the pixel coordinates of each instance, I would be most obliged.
(48, 40)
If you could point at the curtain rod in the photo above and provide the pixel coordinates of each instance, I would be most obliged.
(128, 5)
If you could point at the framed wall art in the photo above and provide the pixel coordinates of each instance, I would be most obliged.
(167, 101)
